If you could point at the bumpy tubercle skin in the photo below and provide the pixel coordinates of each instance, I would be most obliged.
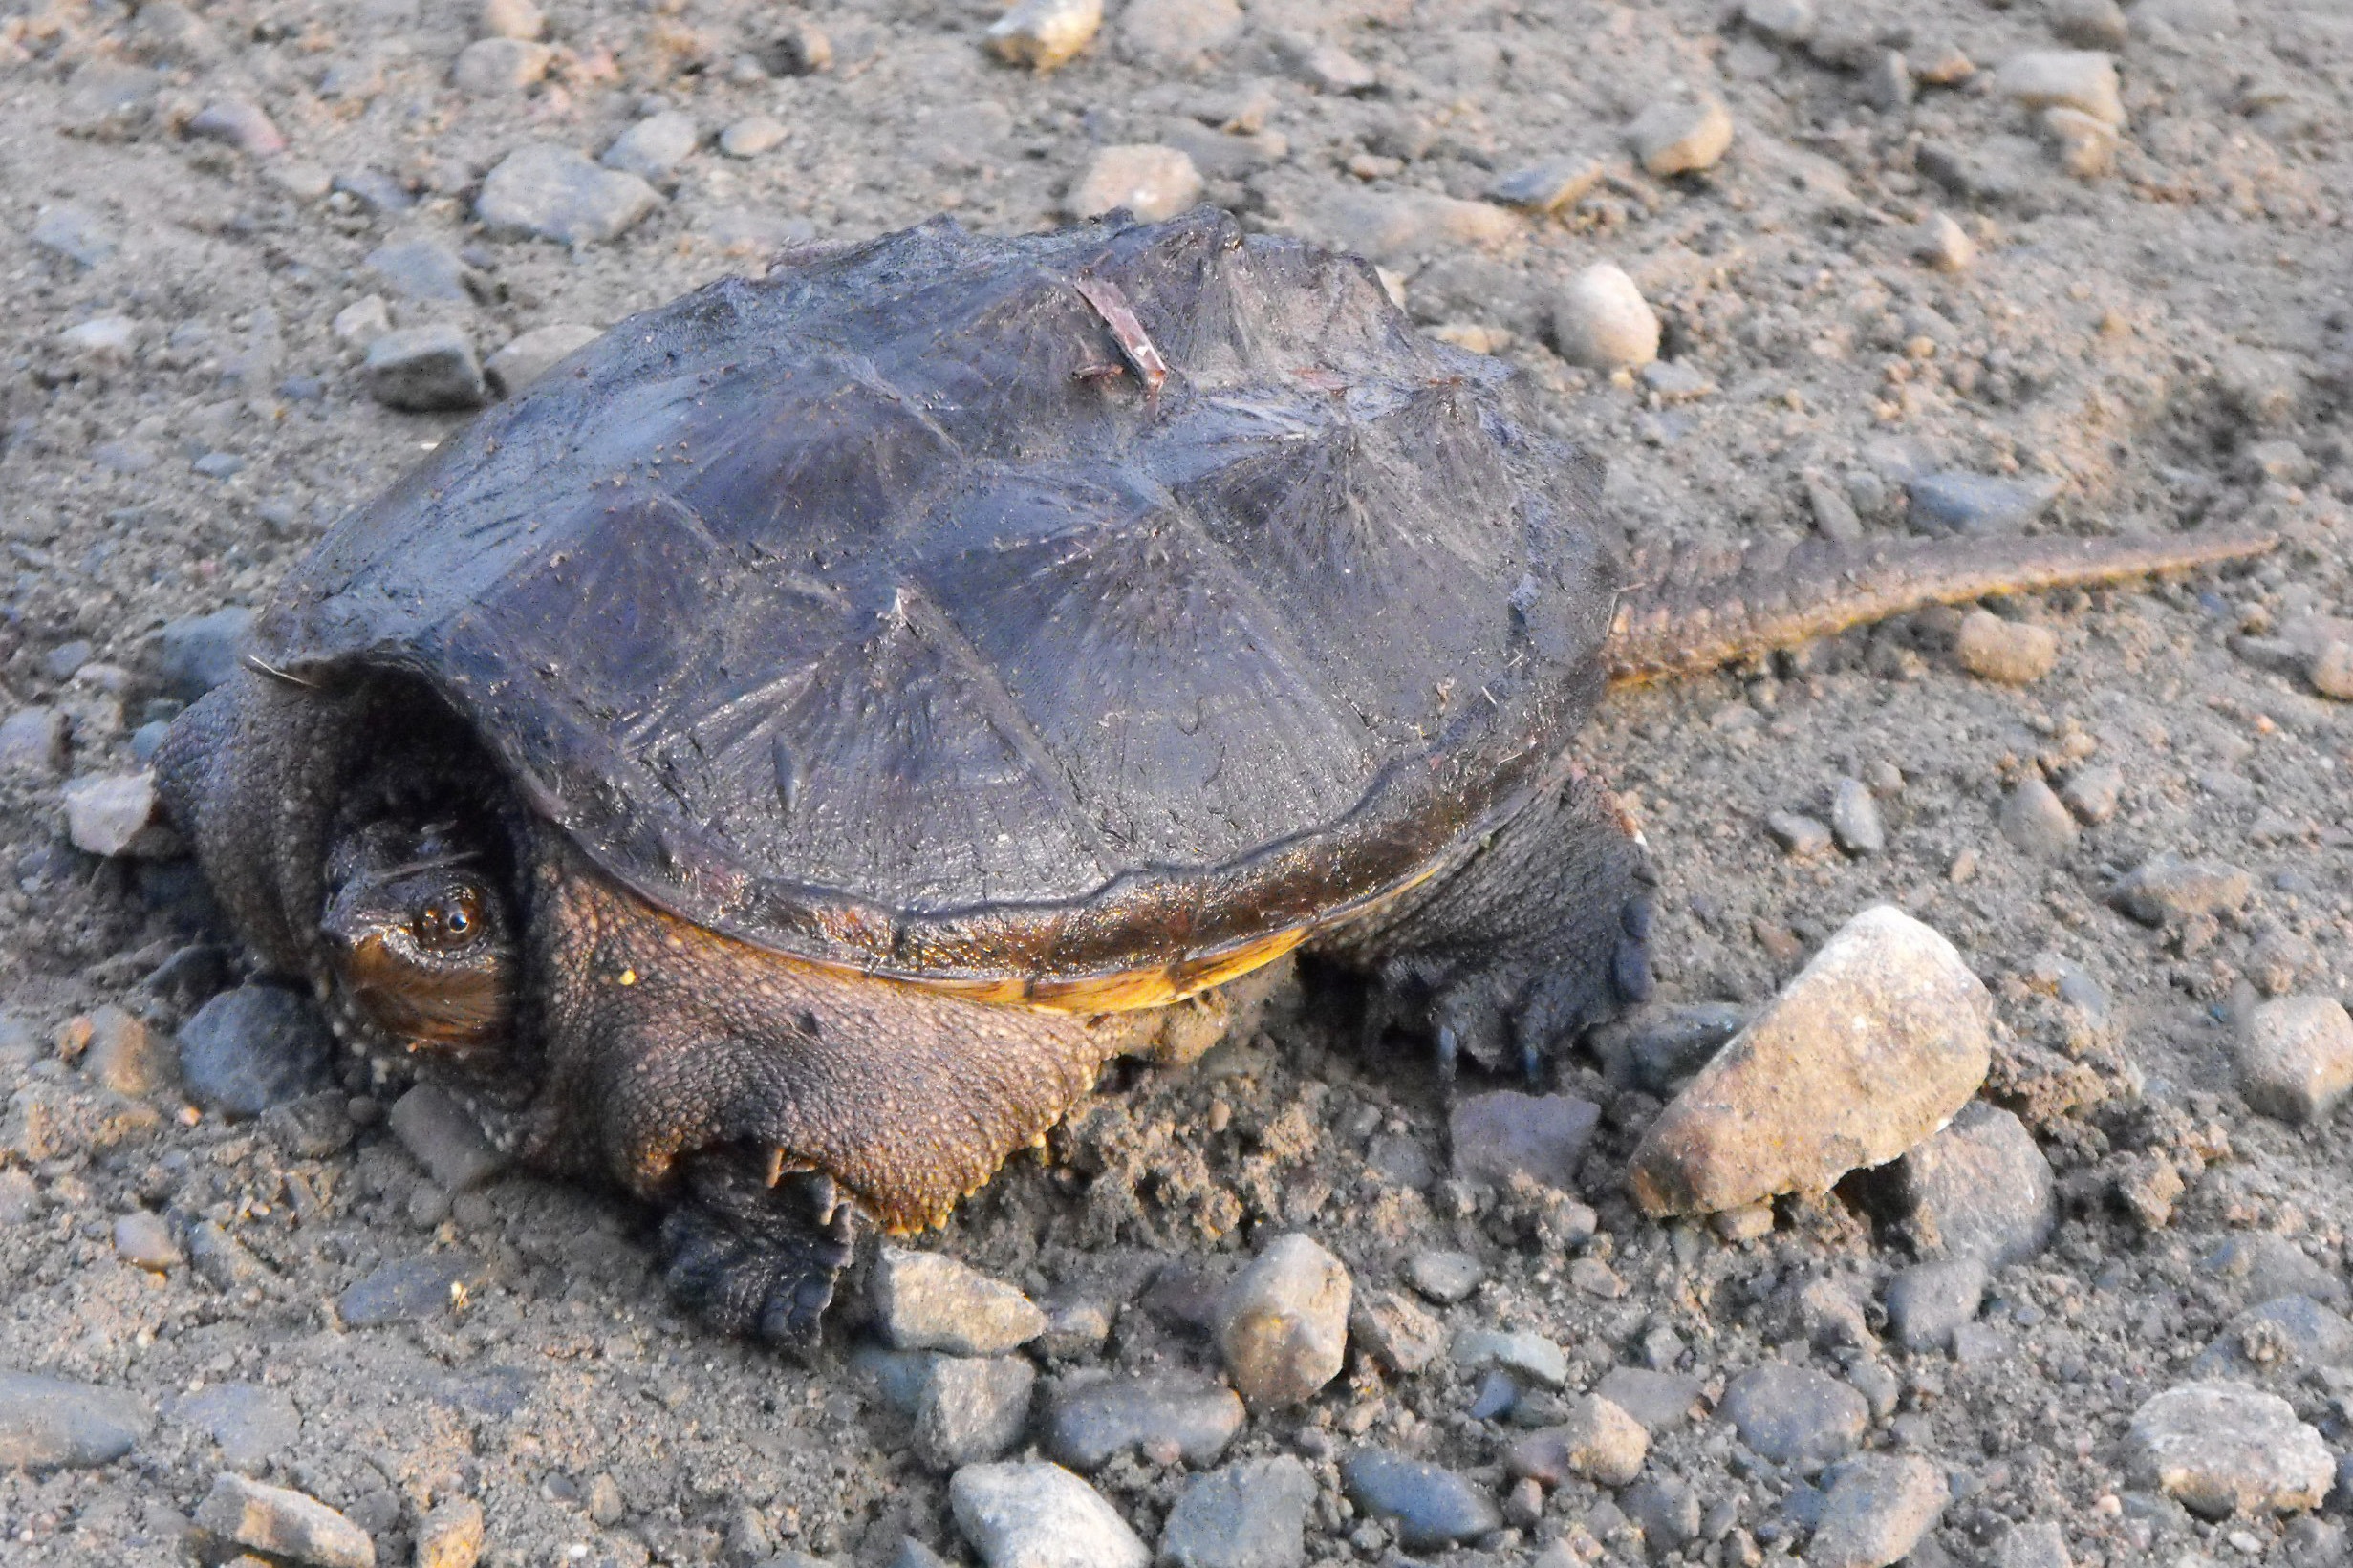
(695, 1070)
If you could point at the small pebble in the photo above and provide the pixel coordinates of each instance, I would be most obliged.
(2090, 24)
(73, 233)
(2037, 1544)
(2087, 146)
(363, 321)
(1596, 1441)
(1887, 1002)
(1444, 1276)
(144, 1240)
(2084, 80)
(1980, 1188)
(509, 19)
(1666, 1508)
(1171, 36)
(1943, 243)
(441, 1135)
(1951, 502)
(553, 193)
(251, 1424)
(802, 48)
(2221, 1448)
(1549, 185)
(2036, 822)
(1153, 183)
(283, 1522)
(1091, 1421)
(1044, 33)
(409, 1289)
(1600, 320)
(1874, 1510)
(1495, 1396)
(1784, 21)
(1502, 1135)
(1887, 81)
(1834, 514)
(2168, 890)
(926, 1300)
(1327, 68)
(51, 1423)
(493, 68)
(451, 1535)
(1038, 1516)
(1659, 1047)
(420, 268)
(655, 147)
(1672, 381)
(1927, 1301)
(1530, 1355)
(1426, 1505)
(970, 1408)
(119, 814)
(526, 358)
(2265, 1266)
(240, 124)
(1671, 139)
(1660, 1401)
(1249, 1515)
(33, 744)
(2284, 1338)
(2331, 671)
(1793, 1416)
(2296, 1057)
(2093, 793)
(1854, 818)
(751, 135)
(1403, 1337)
(425, 368)
(1283, 1323)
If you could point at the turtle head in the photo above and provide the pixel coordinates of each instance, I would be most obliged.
(422, 937)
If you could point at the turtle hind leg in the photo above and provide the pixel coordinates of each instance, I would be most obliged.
(1541, 934)
(755, 1260)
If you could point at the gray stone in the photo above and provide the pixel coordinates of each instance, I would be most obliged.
(1854, 818)
(1426, 1505)
(1249, 1515)
(1503, 1135)
(254, 1047)
(1784, 21)
(2011, 653)
(2199, 18)
(118, 815)
(2080, 79)
(2296, 1057)
(1444, 1276)
(1875, 1509)
(143, 1239)
(1044, 33)
(1402, 1335)
(1529, 1354)
(1671, 139)
(2222, 1448)
(74, 233)
(1600, 320)
(1834, 514)
(1951, 502)
(1075, 1329)
(284, 1523)
(1037, 1515)
(2093, 793)
(1326, 66)
(2289, 1336)
(375, 190)
(1887, 81)
(239, 124)
(1596, 1440)
(361, 322)
(2264, 1266)
(2039, 1544)
(1666, 1510)
(424, 370)
(252, 1425)
(751, 135)
(1400, 226)
(2168, 890)
(442, 1136)
(408, 1289)
(1943, 243)
(1793, 1416)
(926, 1300)
(494, 68)
(1927, 1301)
(2090, 24)
(1801, 836)
(655, 147)
(1876, 1041)
(969, 1410)
(1283, 1323)
(1165, 1417)
(1658, 1048)
(222, 1259)
(2036, 822)
(1176, 35)
(1660, 1401)
(196, 653)
(553, 193)
(107, 339)
(2331, 670)
(33, 744)
(1980, 1188)
(1549, 185)
(53, 1424)
(1151, 182)
(420, 268)
(526, 358)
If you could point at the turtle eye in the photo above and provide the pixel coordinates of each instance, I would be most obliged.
(448, 923)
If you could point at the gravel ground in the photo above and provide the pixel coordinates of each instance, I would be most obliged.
(1933, 282)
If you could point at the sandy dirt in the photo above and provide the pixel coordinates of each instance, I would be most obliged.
(2167, 342)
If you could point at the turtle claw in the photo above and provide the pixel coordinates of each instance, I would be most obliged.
(752, 1260)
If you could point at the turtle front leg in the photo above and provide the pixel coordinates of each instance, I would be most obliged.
(1541, 934)
(753, 1259)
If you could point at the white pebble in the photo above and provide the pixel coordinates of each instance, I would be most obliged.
(1601, 321)
(1044, 33)
(1152, 182)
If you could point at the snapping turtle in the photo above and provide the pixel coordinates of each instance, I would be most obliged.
(776, 760)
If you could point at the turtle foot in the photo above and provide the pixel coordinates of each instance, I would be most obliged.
(755, 1259)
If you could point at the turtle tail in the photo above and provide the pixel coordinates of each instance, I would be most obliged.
(1691, 610)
